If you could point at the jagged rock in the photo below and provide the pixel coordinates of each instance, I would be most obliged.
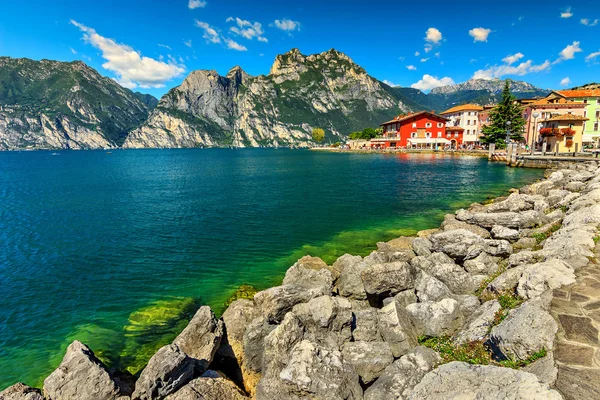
(508, 219)
(501, 232)
(468, 304)
(482, 264)
(311, 272)
(538, 278)
(422, 246)
(556, 195)
(451, 224)
(366, 324)
(201, 337)
(276, 301)
(390, 278)
(541, 188)
(403, 298)
(583, 216)
(575, 186)
(327, 320)
(80, 375)
(430, 288)
(401, 243)
(168, 370)
(525, 257)
(544, 368)
(350, 282)
(525, 331)
(368, 359)
(397, 329)
(312, 371)
(525, 243)
(507, 280)
(455, 243)
(254, 337)
(397, 380)
(444, 269)
(427, 232)
(279, 342)
(210, 386)
(458, 380)
(479, 323)
(515, 202)
(20, 391)
(436, 319)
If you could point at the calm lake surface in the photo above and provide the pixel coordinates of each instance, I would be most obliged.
(119, 249)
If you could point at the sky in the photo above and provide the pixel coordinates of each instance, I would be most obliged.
(150, 46)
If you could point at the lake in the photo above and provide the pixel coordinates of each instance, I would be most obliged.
(117, 249)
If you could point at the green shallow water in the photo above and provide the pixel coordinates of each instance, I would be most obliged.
(118, 250)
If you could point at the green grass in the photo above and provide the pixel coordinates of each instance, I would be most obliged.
(502, 265)
(472, 352)
(516, 364)
(596, 239)
(541, 236)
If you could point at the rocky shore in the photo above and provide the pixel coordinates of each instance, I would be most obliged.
(498, 303)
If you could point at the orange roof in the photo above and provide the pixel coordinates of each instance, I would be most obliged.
(579, 93)
(464, 107)
(404, 117)
(557, 101)
(454, 128)
(567, 117)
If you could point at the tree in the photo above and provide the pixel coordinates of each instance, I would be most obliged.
(366, 134)
(506, 110)
(318, 134)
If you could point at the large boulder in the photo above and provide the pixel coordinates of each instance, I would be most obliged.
(443, 318)
(479, 323)
(350, 282)
(312, 371)
(493, 247)
(80, 375)
(444, 269)
(538, 278)
(368, 359)
(201, 337)
(506, 281)
(21, 391)
(430, 288)
(388, 279)
(504, 233)
(422, 246)
(484, 263)
(397, 380)
(458, 380)
(541, 188)
(397, 329)
(168, 370)
(209, 386)
(451, 224)
(455, 243)
(366, 322)
(253, 343)
(525, 219)
(279, 342)
(515, 202)
(311, 272)
(275, 302)
(525, 331)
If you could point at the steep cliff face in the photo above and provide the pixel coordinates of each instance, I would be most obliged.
(326, 90)
(58, 105)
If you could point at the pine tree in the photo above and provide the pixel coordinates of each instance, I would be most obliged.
(506, 110)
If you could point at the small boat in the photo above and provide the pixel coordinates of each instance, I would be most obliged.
(56, 154)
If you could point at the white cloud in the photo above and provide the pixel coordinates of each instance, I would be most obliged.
(437, 54)
(164, 46)
(429, 82)
(568, 53)
(498, 71)
(247, 29)
(196, 4)
(592, 56)
(567, 13)
(417, 54)
(188, 43)
(424, 59)
(401, 58)
(587, 22)
(565, 81)
(131, 68)
(233, 45)
(392, 84)
(480, 34)
(433, 35)
(473, 60)
(73, 50)
(287, 25)
(511, 59)
(428, 48)
(411, 67)
(210, 34)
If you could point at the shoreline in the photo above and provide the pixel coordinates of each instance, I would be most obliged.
(229, 346)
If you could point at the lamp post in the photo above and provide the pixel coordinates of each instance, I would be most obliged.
(507, 133)
(534, 134)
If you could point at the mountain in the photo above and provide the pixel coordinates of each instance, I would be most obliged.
(326, 90)
(587, 86)
(64, 105)
(494, 86)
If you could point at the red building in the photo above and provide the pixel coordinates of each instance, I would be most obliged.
(421, 130)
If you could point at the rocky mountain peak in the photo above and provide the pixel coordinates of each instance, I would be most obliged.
(491, 85)
(238, 75)
(290, 63)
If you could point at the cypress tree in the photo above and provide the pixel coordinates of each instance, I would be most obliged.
(506, 110)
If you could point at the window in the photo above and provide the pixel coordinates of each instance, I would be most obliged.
(413, 135)
(469, 122)
(428, 135)
(440, 124)
(439, 134)
(585, 113)
(428, 125)
(468, 131)
(414, 124)
(584, 101)
(448, 134)
(597, 114)
(456, 134)
(595, 126)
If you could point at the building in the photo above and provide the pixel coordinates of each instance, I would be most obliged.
(466, 116)
(591, 99)
(422, 130)
(545, 108)
(566, 130)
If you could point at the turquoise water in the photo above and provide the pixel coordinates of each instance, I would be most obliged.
(119, 249)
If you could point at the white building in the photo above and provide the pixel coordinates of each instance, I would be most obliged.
(467, 117)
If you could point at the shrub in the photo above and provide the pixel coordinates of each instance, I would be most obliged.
(472, 352)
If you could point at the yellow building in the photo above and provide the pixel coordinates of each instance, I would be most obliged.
(564, 129)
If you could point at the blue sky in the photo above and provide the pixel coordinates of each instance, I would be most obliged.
(152, 45)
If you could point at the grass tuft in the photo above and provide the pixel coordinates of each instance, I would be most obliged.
(472, 352)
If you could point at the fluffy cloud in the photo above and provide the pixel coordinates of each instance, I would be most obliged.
(498, 71)
(587, 22)
(192, 4)
(424, 59)
(568, 53)
(132, 70)
(592, 56)
(233, 45)
(210, 34)
(411, 67)
(429, 82)
(247, 29)
(392, 84)
(565, 81)
(567, 13)
(428, 48)
(417, 54)
(511, 59)
(287, 25)
(480, 34)
(433, 35)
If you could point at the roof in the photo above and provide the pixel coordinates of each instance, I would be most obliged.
(464, 107)
(404, 117)
(579, 93)
(557, 101)
(455, 128)
(429, 140)
(567, 117)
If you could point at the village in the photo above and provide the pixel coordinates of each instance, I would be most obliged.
(565, 121)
